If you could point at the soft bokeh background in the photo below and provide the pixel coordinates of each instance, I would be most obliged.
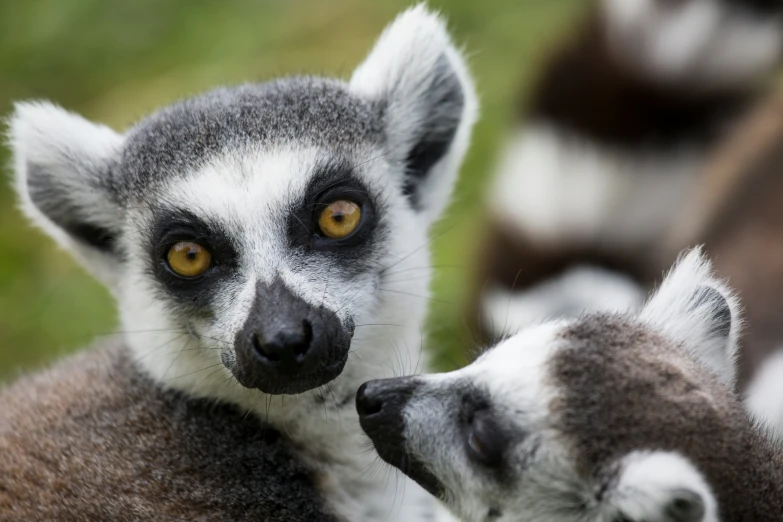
(114, 61)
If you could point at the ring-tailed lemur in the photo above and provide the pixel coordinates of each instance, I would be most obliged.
(252, 236)
(613, 135)
(624, 417)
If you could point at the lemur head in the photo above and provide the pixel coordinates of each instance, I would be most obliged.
(607, 417)
(252, 228)
(702, 43)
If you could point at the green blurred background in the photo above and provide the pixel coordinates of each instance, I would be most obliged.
(114, 61)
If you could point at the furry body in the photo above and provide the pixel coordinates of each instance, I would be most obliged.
(181, 458)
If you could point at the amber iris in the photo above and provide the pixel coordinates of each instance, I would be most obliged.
(339, 219)
(189, 259)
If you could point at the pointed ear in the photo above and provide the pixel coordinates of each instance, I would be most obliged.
(662, 487)
(62, 165)
(695, 308)
(429, 104)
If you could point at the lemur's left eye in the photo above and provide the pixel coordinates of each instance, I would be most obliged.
(339, 219)
(486, 442)
(188, 259)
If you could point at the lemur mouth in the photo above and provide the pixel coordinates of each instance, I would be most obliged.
(380, 405)
(273, 382)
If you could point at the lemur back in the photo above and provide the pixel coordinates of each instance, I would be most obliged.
(606, 417)
(251, 236)
(93, 438)
(608, 149)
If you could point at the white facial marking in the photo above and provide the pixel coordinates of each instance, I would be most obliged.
(651, 481)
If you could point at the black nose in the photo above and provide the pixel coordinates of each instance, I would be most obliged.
(287, 345)
(380, 404)
(286, 349)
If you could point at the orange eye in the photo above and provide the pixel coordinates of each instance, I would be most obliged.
(188, 259)
(339, 219)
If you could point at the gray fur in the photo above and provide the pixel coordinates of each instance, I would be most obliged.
(93, 439)
(614, 371)
(305, 111)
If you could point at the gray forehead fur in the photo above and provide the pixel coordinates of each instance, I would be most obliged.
(301, 110)
(623, 387)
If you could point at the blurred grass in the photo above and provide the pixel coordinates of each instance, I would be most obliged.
(114, 61)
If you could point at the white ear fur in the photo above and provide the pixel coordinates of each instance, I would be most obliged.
(423, 79)
(692, 306)
(662, 486)
(61, 176)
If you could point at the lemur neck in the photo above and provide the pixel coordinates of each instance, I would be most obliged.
(587, 90)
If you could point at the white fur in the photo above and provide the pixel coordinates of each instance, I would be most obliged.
(580, 289)
(651, 480)
(708, 43)
(764, 395)
(72, 149)
(407, 53)
(557, 189)
(672, 311)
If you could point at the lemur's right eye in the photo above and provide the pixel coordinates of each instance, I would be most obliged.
(188, 259)
(339, 219)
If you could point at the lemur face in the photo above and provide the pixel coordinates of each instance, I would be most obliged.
(251, 229)
(562, 421)
(703, 43)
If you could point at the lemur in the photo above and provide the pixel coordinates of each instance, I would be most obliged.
(252, 237)
(606, 152)
(615, 417)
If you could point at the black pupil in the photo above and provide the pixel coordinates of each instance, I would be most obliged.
(338, 218)
(192, 254)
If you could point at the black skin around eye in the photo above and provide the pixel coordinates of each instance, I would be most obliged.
(354, 254)
(485, 440)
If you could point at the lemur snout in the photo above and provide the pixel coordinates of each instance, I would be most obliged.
(287, 345)
(381, 407)
(382, 401)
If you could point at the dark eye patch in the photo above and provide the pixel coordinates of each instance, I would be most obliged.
(334, 181)
(172, 225)
(485, 434)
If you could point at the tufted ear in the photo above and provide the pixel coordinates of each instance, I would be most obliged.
(694, 307)
(62, 165)
(429, 103)
(660, 487)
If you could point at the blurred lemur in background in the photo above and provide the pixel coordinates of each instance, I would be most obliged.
(614, 135)
(251, 237)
